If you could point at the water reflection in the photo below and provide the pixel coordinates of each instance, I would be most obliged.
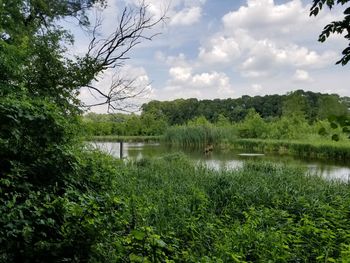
(226, 159)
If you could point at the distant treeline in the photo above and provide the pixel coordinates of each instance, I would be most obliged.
(315, 106)
(157, 116)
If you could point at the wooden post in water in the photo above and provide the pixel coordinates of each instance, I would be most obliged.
(121, 150)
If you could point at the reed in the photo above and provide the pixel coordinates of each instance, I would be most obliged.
(312, 149)
(199, 135)
(227, 137)
(262, 212)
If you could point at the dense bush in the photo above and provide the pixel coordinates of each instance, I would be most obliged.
(56, 197)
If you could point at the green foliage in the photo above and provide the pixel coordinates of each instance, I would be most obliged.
(199, 121)
(336, 26)
(292, 135)
(57, 203)
(310, 149)
(199, 132)
(340, 127)
(62, 202)
(167, 210)
(172, 211)
(73, 218)
(123, 124)
(330, 106)
(294, 104)
(293, 127)
(35, 137)
(312, 106)
(222, 121)
(37, 156)
(253, 126)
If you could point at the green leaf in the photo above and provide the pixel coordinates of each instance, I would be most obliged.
(322, 131)
(346, 129)
(334, 125)
(138, 235)
(335, 137)
(135, 258)
(160, 243)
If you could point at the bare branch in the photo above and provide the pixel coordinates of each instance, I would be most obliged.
(134, 27)
(119, 94)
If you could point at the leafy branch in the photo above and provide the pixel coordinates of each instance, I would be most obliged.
(335, 27)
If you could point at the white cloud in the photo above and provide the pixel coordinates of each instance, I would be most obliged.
(266, 58)
(185, 84)
(302, 76)
(265, 14)
(180, 74)
(264, 46)
(179, 12)
(263, 38)
(187, 16)
(179, 60)
(221, 50)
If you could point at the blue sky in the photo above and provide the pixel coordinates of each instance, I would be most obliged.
(224, 48)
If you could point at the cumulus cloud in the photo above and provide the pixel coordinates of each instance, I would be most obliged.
(258, 40)
(179, 60)
(185, 84)
(267, 58)
(187, 16)
(220, 50)
(179, 12)
(263, 41)
(302, 76)
(265, 14)
(180, 74)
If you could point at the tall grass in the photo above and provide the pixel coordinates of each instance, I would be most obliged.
(199, 135)
(259, 213)
(312, 149)
(312, 146)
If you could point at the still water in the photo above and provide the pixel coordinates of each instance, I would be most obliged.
(226, 159)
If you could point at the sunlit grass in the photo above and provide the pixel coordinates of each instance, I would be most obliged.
(258, 213)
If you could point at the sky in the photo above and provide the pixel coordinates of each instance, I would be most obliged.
(210, 49)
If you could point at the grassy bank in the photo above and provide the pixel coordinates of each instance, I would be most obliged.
(116, 138)
(311, 149)
(172, 210)
(308, 145)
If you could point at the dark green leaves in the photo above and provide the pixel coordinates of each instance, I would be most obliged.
(322, 131)
(334, 125)
(335, 137)
(334, 27)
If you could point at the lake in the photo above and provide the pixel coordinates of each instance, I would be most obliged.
(226, 159)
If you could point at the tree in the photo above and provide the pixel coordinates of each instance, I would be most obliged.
(294, 104)
(336, 26)
(330, 105)
(33, 48)
(57, 201)
(253, 126)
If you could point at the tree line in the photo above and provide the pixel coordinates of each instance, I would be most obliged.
(156, 116)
